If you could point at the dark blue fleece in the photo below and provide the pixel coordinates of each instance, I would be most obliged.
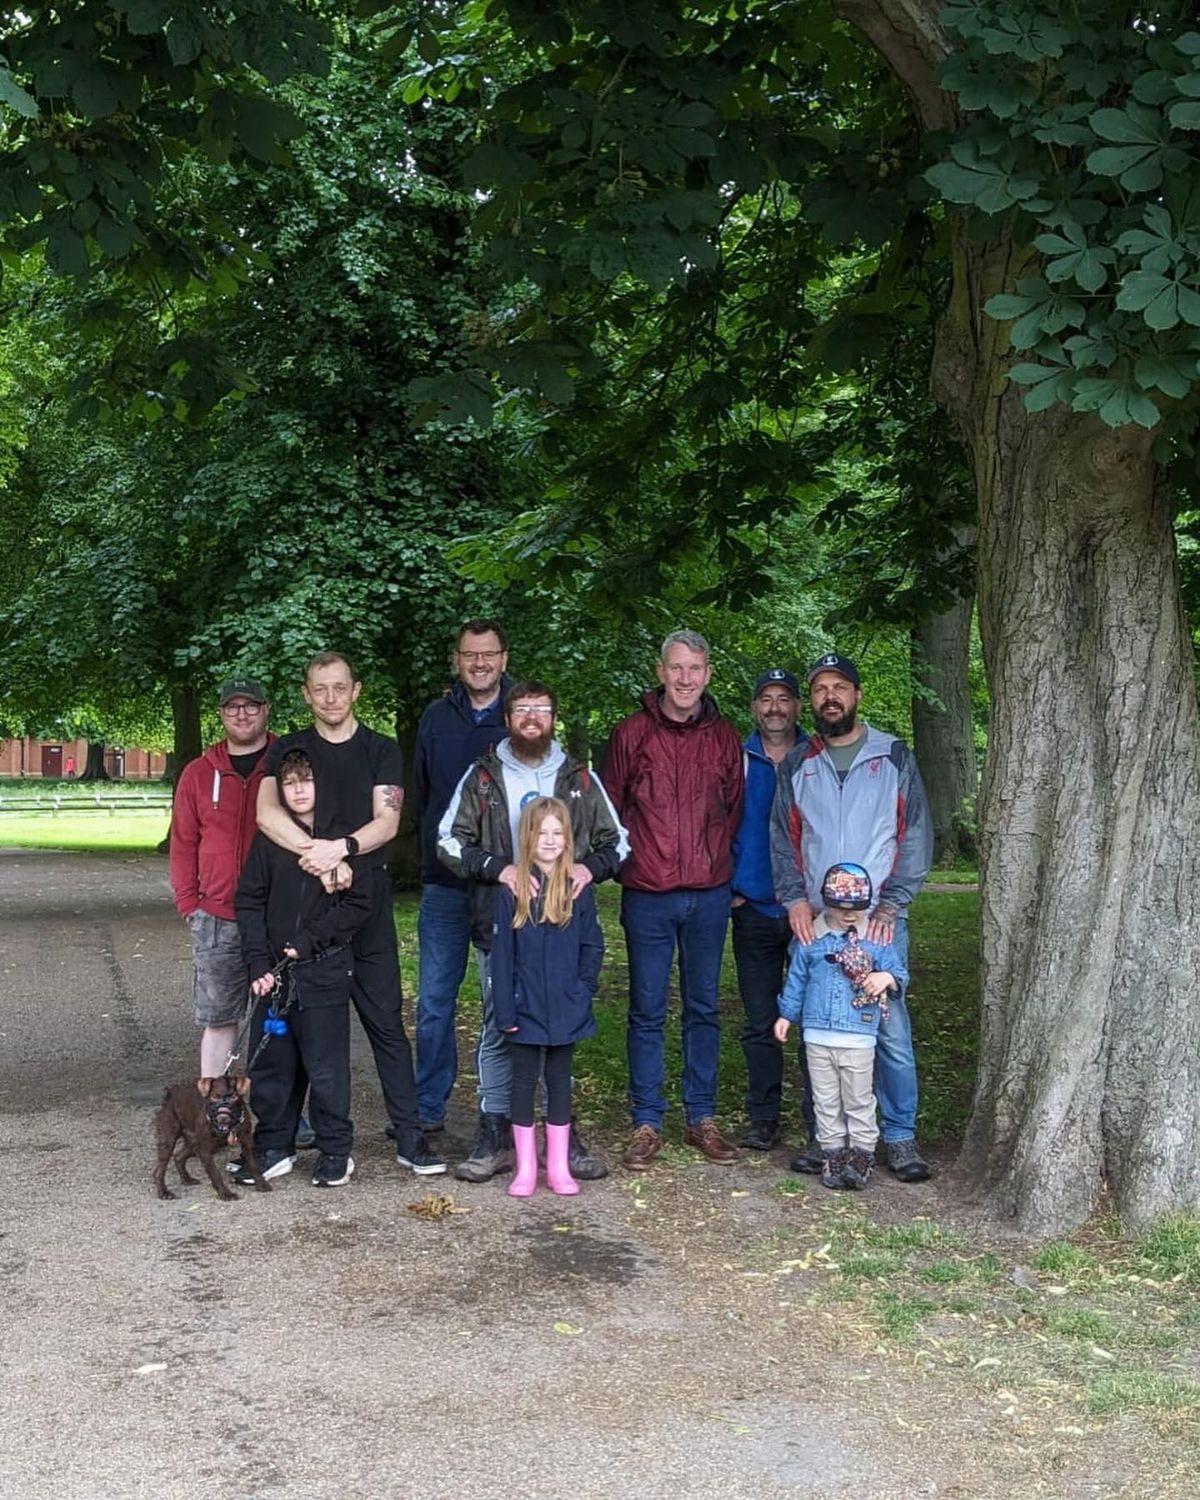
(449, 741)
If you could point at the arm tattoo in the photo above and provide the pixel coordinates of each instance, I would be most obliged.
(393, 797)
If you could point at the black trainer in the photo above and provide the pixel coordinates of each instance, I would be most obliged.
(333, 1171)
(582, 1163)
(274, 1164)
(810, 1161)
(415, 1154)
(760, 1135)
(492, 1152)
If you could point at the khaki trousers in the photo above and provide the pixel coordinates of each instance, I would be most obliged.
(843, 1095)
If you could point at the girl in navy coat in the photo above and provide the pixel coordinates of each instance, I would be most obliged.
(547, 949)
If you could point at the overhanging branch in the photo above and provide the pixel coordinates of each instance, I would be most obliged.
(907, 36)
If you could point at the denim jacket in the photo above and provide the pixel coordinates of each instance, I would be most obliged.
(818, 994)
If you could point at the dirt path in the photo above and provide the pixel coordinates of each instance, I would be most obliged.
(674, 1336)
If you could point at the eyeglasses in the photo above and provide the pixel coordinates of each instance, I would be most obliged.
(487, 657)
(242, 710)
(542, 710)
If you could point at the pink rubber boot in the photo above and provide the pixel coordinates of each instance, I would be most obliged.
(524, 1179)
(558, 1172)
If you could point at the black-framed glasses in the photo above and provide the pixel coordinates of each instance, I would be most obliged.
(487, 657)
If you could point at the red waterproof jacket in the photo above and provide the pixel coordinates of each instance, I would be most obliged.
(678, 789)
(212, 828)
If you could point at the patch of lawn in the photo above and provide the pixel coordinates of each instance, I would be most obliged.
(1172, 1248)
(900, 1317)
(791, 1187)
(122, 832)
(868, 1266)
(920, 1234)
(945, 1272)
(1082, 1323)
(1142, 1390)
(1065, 1260)
(944, 1005)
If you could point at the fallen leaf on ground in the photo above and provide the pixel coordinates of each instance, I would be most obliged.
(566, 1328)
(149, 1369)
(435, 1206)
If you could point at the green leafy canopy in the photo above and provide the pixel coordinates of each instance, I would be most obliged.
(1082, 137)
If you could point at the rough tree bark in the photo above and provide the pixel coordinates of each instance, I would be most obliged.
(185, 721)
(1090, 1056)
(95, 769)
(943, 736)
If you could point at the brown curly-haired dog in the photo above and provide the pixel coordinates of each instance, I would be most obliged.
(199, 1117)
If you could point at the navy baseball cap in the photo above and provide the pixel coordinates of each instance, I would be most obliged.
(832, 662)
(777, 677)
(241, 687)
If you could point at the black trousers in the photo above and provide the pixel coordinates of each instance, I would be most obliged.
(552, 1063)
(760, 951)
(313, 1054)
(379, 1003)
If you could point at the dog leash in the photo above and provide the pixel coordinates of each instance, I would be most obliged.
(274, 1024)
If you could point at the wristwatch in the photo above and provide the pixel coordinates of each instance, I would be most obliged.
(351, 845)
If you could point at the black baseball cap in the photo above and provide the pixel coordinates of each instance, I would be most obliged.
(241, 687)
(832, 662)
(777, 677)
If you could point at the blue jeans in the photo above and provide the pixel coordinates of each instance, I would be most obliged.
(444, 941)
(657, 923)
(895, 1065)
(493, 1059)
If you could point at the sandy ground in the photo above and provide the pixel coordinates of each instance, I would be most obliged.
(332, 1344)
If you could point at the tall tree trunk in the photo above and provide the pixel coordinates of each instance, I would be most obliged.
(404, 865)
(943, 734)
(1090, 1048)
(185, 721)
(95, 769)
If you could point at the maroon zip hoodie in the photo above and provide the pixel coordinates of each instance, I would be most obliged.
(212, 827)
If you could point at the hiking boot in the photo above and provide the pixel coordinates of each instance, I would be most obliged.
(492, 1151)
(905, 1161)
(413, 1152)
(333, 1171)
(306, 1136)
(580, 1161)
(274, 1164)
(644, 1145)
(760, 1135)
(856, 1172)
(709, 1141)
(833, 1168)
(810, 1161)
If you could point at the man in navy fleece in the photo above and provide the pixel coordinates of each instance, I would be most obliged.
(455, 730)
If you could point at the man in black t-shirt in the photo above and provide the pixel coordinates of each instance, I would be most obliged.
(360, 776)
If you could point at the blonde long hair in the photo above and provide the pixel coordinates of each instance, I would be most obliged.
(555, 888)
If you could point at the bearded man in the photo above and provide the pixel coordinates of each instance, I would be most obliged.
(477, 839)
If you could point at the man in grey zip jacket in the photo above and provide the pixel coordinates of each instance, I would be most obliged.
(854, 793)
(477, 839)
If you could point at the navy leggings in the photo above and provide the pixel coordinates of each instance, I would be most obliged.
(554, 1063)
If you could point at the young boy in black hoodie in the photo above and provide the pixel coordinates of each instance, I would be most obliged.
(282, 913)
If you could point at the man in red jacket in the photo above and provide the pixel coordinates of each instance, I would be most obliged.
(212, 827)
(674, 773)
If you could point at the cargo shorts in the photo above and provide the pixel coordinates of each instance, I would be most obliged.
(220, 985)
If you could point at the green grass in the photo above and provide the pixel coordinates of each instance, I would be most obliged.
(1142, 1390)
(125, 831)
(1065, 1260)
(1172, 1248)
(868, 1266)
(900, 1317)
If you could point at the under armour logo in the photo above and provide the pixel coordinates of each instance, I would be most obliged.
(576, 793)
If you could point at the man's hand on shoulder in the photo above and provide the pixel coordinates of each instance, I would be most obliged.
(581, 877)
(800, 920)
(508, 878)
(882, 926)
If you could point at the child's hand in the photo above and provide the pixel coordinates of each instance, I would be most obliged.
(877, 981)
(263, 985)
(782, 1028)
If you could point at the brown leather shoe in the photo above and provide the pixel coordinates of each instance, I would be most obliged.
(706, 1138)
(644, 1145)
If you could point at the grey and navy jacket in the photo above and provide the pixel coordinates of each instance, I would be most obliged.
(450, 738)
(752, 875)
(475, 838)
(878, 817)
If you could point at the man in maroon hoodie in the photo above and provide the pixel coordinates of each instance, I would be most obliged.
(212, 827)
(674, 773)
